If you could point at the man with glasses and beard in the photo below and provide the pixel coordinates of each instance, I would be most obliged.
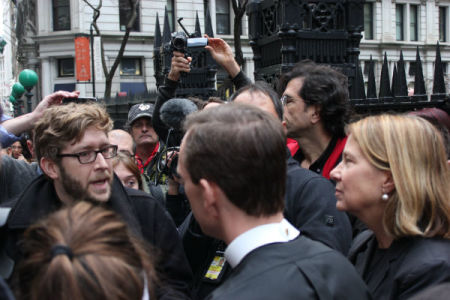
(74, 153)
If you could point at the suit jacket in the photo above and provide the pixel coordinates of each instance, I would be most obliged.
(410, 265)
(310, 205)
(299, 269)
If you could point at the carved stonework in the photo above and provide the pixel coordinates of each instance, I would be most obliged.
(283, 32)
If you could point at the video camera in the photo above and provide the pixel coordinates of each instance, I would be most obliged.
(182, 41)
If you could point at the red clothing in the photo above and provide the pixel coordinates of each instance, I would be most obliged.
(334, 158)
(292, 145)
(139, 160)
(328, 159)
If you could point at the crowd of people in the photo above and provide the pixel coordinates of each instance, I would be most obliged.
(269, 195)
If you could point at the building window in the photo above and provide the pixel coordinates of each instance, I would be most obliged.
(130, 66)
(171, 14)
(366, 67)
(443, 23)
(125, 15)
(223, 16)
(399, 21)
(66, 67)
(413, 22)
(368, 21)
(61, 15)
(412, 68)
(445, 68)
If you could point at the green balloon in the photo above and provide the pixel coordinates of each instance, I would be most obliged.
(28, 78)
(18, 89)
(12, 99)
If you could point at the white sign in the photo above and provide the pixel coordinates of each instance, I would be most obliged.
(98, 59)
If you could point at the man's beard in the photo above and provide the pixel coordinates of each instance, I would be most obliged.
(74, 188)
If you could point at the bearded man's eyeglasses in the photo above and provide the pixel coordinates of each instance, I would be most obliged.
(87, 157)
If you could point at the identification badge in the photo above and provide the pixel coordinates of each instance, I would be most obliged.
(216, 268)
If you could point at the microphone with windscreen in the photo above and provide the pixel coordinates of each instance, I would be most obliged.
(173, 113)
(175, 110)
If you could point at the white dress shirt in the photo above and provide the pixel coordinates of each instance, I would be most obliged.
(259, 236)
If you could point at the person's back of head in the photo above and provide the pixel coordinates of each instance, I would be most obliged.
(440, 119)
(82, 252)
(123, 140)
(265, 89)
(242, 149)
(412, 150)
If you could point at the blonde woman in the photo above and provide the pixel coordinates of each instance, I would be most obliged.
(394, 177)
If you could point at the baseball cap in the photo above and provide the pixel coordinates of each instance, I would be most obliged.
(140, 110)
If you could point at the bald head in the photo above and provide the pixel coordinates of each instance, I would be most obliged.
(258, 99)
(122, 139)
(260, 94)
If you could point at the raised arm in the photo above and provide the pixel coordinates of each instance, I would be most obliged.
(221, 52)
(26, 122)
(167, 90)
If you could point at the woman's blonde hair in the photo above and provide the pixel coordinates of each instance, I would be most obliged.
(412, 150)
(83, 252)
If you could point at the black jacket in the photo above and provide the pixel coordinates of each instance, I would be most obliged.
(407, 267)
(145, 217)
(299, 269)
(310, 205)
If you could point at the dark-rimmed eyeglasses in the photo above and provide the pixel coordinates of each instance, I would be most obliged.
(87, 157)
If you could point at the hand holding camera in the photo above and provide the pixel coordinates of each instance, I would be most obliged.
(180, 63)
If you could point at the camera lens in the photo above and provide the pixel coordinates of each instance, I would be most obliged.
(178, 43)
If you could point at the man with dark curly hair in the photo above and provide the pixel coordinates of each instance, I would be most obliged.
(316, 110)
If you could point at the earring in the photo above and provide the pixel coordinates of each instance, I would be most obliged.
(385, 197)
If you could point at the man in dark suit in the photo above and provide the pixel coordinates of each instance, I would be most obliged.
(232, 164)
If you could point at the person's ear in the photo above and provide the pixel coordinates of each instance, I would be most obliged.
(388, 184)
(49, 167)
(30, 147)
(210, 196)
(315, 115)
(283, 123)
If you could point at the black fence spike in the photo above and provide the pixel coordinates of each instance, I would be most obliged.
(198, 31)
(420, 92)
(402, 86)
(166, 31)
(357, 89)
(208, 25)
(157, 40)
(156, 53)
(371, 85)
(439, 82)
(385, 91)
(394, 87)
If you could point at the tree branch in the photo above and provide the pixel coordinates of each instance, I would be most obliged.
(130, 24)
(239, 11)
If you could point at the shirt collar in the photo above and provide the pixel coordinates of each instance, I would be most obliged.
(248, 241)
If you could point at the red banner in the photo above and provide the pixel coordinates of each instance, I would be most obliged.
(82, 59)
